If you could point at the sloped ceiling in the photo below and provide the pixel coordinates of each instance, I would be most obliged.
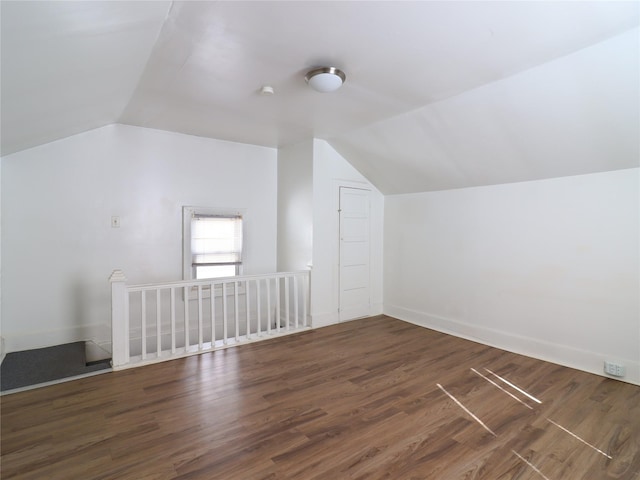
(68, 67)
(575, 115)
(438, 94)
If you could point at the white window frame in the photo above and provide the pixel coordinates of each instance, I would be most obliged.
(187, 214)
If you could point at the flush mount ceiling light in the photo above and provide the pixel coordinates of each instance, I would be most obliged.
(325, 79)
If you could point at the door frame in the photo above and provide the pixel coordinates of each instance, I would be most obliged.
(337, 184)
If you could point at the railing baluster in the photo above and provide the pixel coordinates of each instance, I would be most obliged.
(212, 306)
(295, 299)
(286, 301)
(173, 320)
(277, 304)
(127, 319)
(186, 318)
(305, 288)
(225, 332)
(143, 322)
(268, 306)
(199, 317)
(158, 323)
(247, 308)
(258, 306)
(235, 309)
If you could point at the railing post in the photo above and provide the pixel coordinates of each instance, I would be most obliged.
(306, 299)
(119, 319)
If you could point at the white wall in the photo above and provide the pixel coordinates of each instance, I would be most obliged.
(58, 248)
(295, 206)
(330, 171)
(2, 344)
(547, 268)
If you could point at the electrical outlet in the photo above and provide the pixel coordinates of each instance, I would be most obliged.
(613, 369)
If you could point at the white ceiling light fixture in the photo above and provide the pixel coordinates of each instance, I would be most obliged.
(325, 79)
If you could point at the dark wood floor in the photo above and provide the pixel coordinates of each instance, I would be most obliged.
(369, 399)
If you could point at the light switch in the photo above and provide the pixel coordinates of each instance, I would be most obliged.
(115, 222)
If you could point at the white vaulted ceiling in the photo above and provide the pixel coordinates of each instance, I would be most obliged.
(438, 94)
(68, 67)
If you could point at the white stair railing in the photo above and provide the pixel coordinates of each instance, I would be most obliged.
(158, 322)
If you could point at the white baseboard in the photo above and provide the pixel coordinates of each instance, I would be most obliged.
(565, 355)
(376, 309)
(325, 319)
(98, 333)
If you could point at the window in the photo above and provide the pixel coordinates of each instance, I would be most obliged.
(212, 243)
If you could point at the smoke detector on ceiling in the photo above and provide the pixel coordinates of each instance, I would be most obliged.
(267, 90)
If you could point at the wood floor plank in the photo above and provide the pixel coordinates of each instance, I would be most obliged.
(359, 400)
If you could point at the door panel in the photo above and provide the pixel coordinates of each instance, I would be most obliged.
(355, 276)
(355, 229)
(355, 302)
(354, 253)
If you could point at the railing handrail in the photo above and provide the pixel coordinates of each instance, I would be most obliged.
(212, 281)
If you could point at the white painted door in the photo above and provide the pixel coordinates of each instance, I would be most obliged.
(354, 253)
